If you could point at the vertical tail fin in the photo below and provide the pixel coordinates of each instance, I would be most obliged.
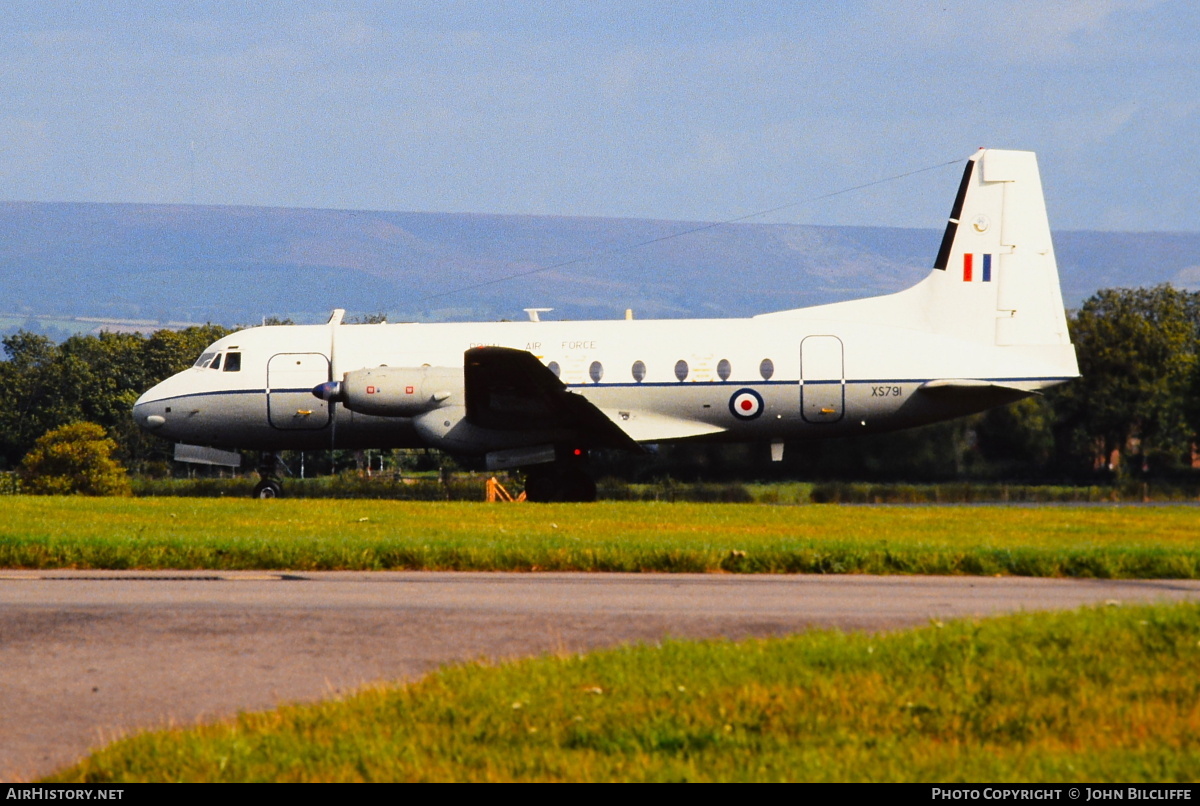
(995, 278)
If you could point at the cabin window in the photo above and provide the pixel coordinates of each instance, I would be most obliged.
(553, 367)
(233, 362)
(596, 371)
(766, 369)
(639, 371)
(724, 370)
(681, 370)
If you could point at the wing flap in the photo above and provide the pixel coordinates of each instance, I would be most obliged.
(645, 426)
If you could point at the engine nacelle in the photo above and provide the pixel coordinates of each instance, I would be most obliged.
(395, 391)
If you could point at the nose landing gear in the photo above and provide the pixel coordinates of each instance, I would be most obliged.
(268, 488)
(268, 470)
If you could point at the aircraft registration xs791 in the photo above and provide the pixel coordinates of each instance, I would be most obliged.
(986, 327)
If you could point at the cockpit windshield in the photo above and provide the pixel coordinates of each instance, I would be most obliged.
(213, 360)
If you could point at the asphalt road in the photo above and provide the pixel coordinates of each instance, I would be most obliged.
(90, 656)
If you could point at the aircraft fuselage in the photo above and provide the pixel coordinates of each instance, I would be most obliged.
(664, 380)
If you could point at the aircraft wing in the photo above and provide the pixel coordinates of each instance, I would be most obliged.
(510, 390)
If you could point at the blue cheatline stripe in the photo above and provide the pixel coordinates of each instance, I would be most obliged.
(663, 384)
(987, 268)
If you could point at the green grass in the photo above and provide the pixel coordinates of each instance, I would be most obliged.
(1106, 694)
(182, 533)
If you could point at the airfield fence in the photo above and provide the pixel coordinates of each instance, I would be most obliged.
(474, 487)
(346, 485)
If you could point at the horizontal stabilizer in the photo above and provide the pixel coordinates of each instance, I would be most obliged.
(951, 386)
(983, 394)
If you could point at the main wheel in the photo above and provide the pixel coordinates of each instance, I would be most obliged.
(577, 486)
(541, 487)
(554, 483)
(268, 488)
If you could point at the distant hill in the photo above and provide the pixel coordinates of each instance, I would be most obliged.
(234, 265)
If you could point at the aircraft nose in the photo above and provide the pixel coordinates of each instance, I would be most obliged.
(144, 412)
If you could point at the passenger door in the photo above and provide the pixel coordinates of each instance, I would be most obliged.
(822, 379)
(291, 405)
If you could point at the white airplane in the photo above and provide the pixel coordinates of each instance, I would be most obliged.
(986, 327)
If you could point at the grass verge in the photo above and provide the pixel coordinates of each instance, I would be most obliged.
(1107, 694)
(180, 533)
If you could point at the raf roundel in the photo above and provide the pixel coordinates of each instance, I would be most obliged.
(746, 404)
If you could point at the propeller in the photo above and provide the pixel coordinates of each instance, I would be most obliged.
(332, 387)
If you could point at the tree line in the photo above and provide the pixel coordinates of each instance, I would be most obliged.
(92, 378)
(1135, 411)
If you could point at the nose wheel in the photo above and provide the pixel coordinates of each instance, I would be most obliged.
(268, 470)
(268, 488)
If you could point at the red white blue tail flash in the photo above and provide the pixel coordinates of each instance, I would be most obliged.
(985, 263)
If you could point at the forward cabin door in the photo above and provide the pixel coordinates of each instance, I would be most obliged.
(291, 405)
(822, 379)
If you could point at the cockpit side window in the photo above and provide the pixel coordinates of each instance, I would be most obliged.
(204, 360)
(216, 364)
(233, 362)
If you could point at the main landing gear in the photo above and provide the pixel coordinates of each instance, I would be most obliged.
(561, 481)
(268, 470)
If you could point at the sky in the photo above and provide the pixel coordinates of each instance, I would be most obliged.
(671, 110)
